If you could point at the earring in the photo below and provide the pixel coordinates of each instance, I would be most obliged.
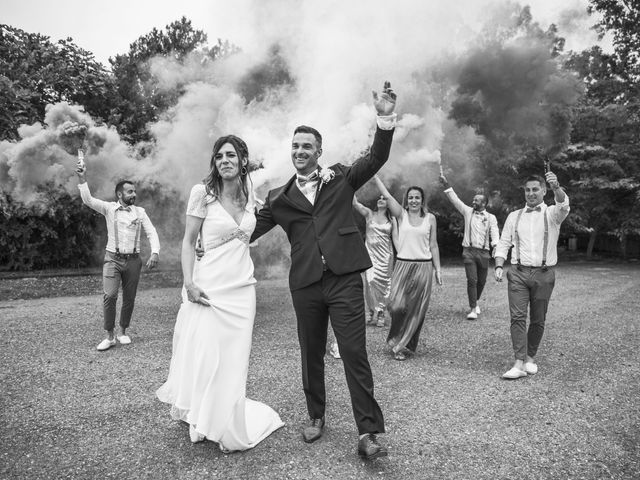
(243, 171)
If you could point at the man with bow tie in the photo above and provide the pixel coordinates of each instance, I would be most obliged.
(122, 263)
(481, 234)
(533, 233)
(314, 208)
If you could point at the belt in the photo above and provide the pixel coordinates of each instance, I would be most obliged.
(544, 268)
(125, 256)
(479, 248)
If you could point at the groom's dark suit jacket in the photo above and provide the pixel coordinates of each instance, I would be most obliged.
(328, 227)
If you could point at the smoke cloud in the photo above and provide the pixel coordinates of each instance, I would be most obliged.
(48, 154)
(311, 63)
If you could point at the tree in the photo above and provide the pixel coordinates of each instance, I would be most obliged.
(514, 92)
(35, 72)
(140, 100)
(271, 74)
(621, 18)
(603, 162)
(60, 233)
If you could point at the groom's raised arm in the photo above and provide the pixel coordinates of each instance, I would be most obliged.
(365, 168)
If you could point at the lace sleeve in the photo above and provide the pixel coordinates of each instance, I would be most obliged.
(197, 206)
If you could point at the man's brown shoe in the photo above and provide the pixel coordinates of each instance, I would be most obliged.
(312, 431)
(369, 448)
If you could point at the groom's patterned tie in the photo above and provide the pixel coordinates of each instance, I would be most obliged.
(311, 178)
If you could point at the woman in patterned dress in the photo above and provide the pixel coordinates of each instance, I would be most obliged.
(377, 279)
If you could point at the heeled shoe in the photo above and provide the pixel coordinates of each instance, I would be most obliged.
(194, 435)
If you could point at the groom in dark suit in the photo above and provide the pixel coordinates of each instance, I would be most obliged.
(327, 255)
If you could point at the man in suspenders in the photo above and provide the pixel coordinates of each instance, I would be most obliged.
(122, 261)
(480, 235)
(533, 233)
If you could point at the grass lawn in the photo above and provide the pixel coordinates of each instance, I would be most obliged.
(69, 411)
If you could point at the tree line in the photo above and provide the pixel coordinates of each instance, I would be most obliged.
(578, 110)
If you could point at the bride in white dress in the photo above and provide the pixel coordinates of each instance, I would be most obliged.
(206, 386)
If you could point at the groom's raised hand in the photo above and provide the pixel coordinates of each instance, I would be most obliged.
(386, 102)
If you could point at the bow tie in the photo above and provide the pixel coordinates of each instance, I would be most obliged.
(126, 209)
(476, 212)
(304, 179)
(534, 209)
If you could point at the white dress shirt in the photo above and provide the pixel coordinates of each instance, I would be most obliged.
(310, 187)
(484, 231)
(531, 234)
(129, 222)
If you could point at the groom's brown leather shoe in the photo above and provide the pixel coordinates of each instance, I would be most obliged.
(312, 431)
(369, 448)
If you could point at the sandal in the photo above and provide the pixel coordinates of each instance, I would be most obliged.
(399, 356)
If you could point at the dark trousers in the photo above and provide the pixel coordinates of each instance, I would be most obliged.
(476, 265)
(340, 298)
(530, 288)
(114, 272)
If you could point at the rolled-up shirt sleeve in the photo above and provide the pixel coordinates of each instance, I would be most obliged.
(152, 234)
(98, 205)
(506, 239)
(560, 211)
(495, 231)
(457, 203)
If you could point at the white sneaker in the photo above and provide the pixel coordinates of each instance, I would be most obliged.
(514, 374)
(106, 344)
(124, 339)
(472, 315)
(478, 310)
(531, 368)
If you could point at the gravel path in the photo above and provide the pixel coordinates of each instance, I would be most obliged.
(69, 411)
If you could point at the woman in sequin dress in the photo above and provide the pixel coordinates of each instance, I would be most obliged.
(377, 279)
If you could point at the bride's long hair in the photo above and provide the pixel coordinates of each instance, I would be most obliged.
(213, 181)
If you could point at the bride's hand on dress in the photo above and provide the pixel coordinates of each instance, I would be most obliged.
(199, 251)
(196, 295)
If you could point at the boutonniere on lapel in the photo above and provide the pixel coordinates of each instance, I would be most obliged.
(326, 175)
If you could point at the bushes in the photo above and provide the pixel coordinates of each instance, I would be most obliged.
(53, 233)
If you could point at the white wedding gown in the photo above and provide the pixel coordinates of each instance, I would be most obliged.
(207, 379)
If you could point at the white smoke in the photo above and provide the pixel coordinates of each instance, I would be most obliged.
(336, 53)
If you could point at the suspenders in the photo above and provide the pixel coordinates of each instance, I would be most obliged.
(545, 242)
(115, 232)
(486, 233)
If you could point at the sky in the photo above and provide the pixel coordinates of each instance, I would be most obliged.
(107, 28)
